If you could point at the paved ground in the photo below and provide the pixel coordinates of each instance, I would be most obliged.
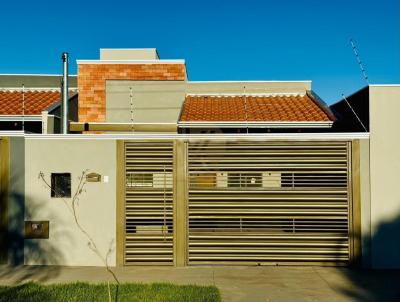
(239, 283)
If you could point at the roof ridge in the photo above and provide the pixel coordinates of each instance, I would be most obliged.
(220, 95)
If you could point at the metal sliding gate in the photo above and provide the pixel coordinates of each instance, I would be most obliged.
(268, 202)
(148, 203)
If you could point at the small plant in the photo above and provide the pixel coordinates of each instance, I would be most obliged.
(72, 207)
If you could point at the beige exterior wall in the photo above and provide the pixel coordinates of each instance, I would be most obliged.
(96, 207)
(385, 175)
(248, 87)
(161, 101)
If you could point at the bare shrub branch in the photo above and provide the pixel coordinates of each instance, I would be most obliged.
(73, 210)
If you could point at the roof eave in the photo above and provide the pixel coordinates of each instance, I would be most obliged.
(227, 124)
(20, 118)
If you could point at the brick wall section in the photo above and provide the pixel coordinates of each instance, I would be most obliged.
(92, 83)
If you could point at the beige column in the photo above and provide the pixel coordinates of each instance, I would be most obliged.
(120, 145)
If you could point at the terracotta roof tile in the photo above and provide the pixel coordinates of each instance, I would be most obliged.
(276, 108)
(35, 101)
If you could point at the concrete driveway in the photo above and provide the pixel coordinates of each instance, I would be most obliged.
(239, 283)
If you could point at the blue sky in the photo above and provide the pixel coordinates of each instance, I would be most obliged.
(220, 40)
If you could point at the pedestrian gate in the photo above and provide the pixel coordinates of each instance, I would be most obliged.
(148, 206)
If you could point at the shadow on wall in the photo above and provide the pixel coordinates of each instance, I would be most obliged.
(40, 251)
(378, 284)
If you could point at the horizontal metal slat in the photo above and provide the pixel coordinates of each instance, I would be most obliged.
(270, 251)
(246, 258)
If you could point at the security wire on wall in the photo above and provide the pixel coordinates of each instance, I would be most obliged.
(360, 63)
(131, 107)
(245, 109)
(365, 76)
(23, 107)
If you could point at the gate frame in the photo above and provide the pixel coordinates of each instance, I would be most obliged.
(354, 204)
(180, 201)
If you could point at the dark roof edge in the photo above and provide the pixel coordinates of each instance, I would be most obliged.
(182, 109)
(58, 103)
(321, 104)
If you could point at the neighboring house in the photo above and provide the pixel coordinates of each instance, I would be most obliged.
(353, 112)
(254, 113)
(198, 173)
(123, 92)
(27, 102)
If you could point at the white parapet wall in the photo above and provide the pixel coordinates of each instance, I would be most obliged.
(96, 207)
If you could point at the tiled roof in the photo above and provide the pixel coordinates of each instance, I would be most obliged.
(267, 108)
(35, 101)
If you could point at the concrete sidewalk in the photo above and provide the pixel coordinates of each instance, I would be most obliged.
(238, 283)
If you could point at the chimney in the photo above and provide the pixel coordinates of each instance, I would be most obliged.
(64, 104)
